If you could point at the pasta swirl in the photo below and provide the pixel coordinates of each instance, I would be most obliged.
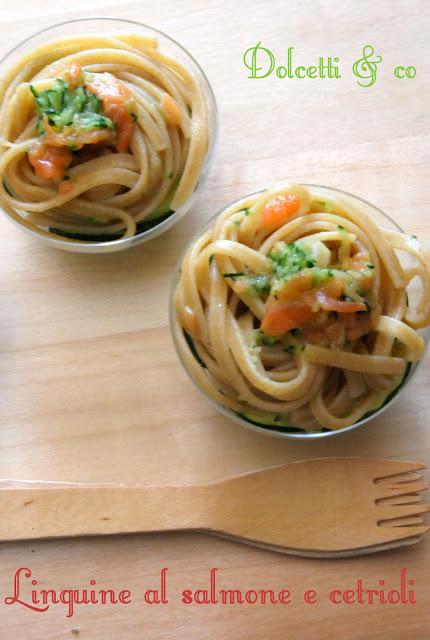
(101, 137)
(296, 311)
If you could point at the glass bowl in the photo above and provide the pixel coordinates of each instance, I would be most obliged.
(383, 220)
(167, 45)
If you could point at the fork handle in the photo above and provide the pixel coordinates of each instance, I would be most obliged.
(32, 510)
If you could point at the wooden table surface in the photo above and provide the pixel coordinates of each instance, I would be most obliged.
(92, 390)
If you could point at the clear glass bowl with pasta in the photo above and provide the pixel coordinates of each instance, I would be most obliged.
(301, 311)
(107, 129)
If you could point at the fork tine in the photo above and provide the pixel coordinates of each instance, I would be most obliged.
(404, 499)
(400, 533)
(384, 491)
(401, 477)
(388, 468)
(391, 512)
(401, 522)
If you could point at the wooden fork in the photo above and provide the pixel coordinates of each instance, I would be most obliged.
(317, 507)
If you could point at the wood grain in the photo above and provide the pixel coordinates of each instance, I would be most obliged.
(91, 389)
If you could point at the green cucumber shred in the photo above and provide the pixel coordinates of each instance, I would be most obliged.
(276, 426)
(8, 188)
(192, 347)
(391, 395)
(85, 237)
(289, 259)
(65, 107)
(141, 227)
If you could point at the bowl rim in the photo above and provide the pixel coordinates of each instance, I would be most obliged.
(231, 415)
(169, 221)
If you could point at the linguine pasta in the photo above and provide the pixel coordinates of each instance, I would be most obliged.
(101, 136)
(295, 310)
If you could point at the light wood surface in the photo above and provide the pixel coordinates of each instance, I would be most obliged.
(91, 388)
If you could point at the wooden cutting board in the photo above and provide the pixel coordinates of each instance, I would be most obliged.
(90, 386)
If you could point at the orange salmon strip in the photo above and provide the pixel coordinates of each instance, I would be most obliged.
(279, 210)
